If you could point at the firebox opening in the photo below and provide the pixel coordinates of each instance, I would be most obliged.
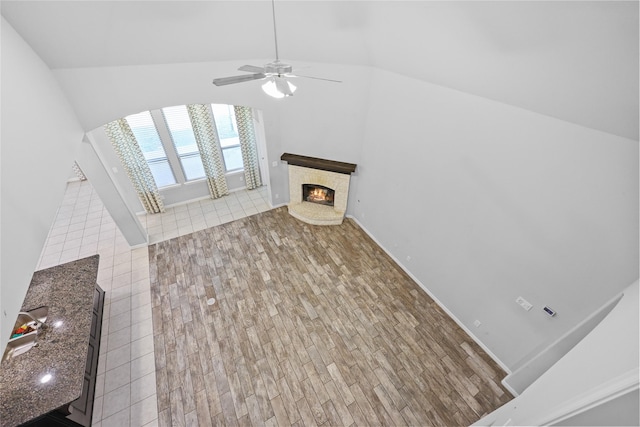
(317, 194)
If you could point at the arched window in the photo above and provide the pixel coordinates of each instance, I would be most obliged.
(166, 138)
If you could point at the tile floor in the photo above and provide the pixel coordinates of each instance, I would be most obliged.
(126, 383)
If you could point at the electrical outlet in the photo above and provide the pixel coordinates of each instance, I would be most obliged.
(524, 303)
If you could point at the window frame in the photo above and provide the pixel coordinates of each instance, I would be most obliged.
(224, 160)
(175, 147)
(174, 159)
(229, 147)
(158, 160)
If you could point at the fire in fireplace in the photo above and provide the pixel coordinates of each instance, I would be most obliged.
(317, 194)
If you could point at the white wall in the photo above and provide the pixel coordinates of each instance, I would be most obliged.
(489, 201)
(598, 376)
(113, 169)
(620, 411)
(519, 379)
(322, 119)
(91, 161)
(40, 136)
(492, 202)
(172, 195)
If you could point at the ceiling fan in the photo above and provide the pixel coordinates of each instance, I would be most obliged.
(276, 72)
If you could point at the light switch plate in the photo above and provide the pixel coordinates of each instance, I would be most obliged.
(524, 303)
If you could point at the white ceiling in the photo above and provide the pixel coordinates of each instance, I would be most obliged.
(577, 61)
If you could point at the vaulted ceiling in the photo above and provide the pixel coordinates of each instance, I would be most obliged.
(577, 61)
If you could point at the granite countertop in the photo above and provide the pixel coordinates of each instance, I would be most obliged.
(68, 291)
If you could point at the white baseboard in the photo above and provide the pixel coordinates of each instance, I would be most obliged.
(437, 301)
(186, 202)
(506, 385)
(197, 199)
(141, 245)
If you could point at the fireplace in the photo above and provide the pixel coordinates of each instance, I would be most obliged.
(318, 194)
(318, 189)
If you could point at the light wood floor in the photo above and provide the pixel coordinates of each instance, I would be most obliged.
(311, 326)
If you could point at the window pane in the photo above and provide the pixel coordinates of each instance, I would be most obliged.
(144, 129)
(232, 158)
(162, 173)
(179, 125)
(229, 142)
(184, 141)
(192, 166)
(146, 134)
(225, 119)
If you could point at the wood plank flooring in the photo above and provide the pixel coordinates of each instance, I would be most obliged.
(311, 326)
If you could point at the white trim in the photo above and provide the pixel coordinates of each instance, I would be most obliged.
(173, 205)
(261, 145)
(170, 186)
(201, 180)
(233, 173)
(195, 181)
(437, 301)
(506, 385)
(599, 395)
(141, 245)
(170, 152)
(197, 199)
(235, 190)
(543, 360)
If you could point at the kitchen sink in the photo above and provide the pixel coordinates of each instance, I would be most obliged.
(39, 315)
(20, 344)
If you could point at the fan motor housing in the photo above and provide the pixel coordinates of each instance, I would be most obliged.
(277, 68)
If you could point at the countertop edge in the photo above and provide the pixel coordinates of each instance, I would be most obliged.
(68, 291)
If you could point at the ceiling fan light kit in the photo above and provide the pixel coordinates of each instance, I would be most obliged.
(278, 87)
(276, 72)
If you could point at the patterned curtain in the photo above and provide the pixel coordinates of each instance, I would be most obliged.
(125, 144)
(244, 119)
(78, 172)
(206, 135)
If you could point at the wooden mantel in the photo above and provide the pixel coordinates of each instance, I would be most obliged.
(315, 163)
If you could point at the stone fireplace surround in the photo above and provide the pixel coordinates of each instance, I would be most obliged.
(329, 173)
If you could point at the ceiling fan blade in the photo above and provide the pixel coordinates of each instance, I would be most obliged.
(283, 86)
(316, 78)
(237, 79)
(251, 69)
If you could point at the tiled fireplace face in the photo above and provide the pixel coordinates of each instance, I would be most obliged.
(314, 213)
